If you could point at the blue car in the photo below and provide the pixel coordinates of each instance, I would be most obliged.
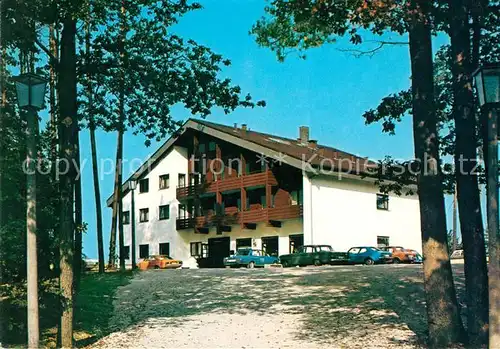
(368, 255)
(250, 258)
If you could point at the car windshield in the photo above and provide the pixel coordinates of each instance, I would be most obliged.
(325, 248)
(243, 252)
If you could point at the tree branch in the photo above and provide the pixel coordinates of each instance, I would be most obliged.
(359, 53)
(54, 60)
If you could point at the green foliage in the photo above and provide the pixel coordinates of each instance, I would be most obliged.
(136, 51)
(13, 231)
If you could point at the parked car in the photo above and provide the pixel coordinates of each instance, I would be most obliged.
(418, 257)
(368, 255)
(250, 258)
(159, 262)
(313, 255)
(401, 254)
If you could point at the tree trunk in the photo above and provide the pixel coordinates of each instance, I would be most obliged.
(77, 262)
(95, 168)
(120, 140)
(3, 105)
(53, 97)
(68, 125)
(97, 193)
(116, 201)
(455, 221)
(469, 204)
(445, 325)
(493, 231)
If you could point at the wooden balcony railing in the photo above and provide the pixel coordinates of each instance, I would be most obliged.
(232, 216)
(231, 183)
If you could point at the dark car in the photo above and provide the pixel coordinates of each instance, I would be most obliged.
(368, 255)
(313, 255)
(249, 257)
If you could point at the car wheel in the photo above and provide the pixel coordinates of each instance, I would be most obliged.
(317, 262)
(251, 265)
(396, 261)
(157, 267)
(369, 261)
(285, 264)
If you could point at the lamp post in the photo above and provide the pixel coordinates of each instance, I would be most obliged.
(133, 185)
(30, 90)
(487, 80)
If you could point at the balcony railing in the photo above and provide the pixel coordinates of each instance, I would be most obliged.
(232, 216)
(231, 183)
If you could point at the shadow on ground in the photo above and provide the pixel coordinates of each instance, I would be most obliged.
(337, 304)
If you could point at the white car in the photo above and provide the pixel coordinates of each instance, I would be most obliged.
(457, 254)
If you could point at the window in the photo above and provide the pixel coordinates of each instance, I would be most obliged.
(211, 146)
(201, 148)
(144, 185)
(309, 249)
(382, 241)
(256, 253)
(204, 250)
(382, 202)
(297, 197)
(164, 181)
(247, 242)
(164, 212)
(143, 251)
(126, 217)
(126, 252)
(165, 249)
(182, 180)
(143, 215)
(196, 249)
(363, 250)
(182, 212)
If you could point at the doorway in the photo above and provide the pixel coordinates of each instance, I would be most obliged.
(218, 248)
(296, 241)
(270, 245)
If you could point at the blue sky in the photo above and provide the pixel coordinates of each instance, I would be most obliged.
(329, 91)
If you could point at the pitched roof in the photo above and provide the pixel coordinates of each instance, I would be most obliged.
(294, 148)
(293, 152)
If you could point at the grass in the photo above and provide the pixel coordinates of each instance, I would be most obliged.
(93, 307)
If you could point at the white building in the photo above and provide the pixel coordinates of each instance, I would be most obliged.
(214, 188)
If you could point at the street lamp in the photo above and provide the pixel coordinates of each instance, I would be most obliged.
(487, 80)
(30, 91)
(132, 184)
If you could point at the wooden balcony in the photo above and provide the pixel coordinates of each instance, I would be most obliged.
(231, 183)
(233, 216)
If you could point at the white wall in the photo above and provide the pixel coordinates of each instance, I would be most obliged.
(158, 231)
(344, 214)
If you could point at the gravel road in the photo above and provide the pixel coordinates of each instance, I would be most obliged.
(314, 307)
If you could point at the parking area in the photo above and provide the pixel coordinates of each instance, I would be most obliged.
(311, 307)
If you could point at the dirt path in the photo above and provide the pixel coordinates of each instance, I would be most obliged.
(334, 307)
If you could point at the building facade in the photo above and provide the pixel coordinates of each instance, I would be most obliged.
(213, 188)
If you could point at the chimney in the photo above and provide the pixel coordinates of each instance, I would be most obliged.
(313, 143)
(244, 128)
(235, 126)
(304, 134)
